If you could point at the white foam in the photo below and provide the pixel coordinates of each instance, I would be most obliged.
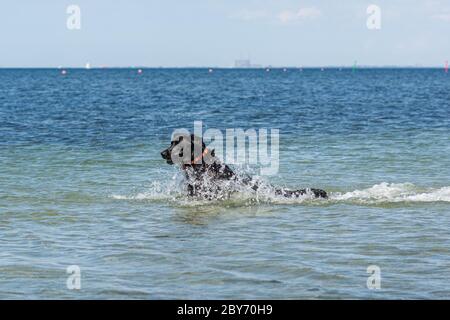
(239, 194)
(394, 192)
(155, 191)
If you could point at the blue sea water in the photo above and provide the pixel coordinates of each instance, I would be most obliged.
(82, 183)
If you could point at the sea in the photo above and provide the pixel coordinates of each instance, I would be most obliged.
(90, 210)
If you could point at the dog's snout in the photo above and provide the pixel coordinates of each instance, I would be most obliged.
(165, 154)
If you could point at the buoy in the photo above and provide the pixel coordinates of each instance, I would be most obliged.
(284, 70)
(63, 72)
(140, 71)
(210, 70)
(267, 70)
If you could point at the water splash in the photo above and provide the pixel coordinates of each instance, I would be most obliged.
(226, 192)
(394, 193)
(237, 193)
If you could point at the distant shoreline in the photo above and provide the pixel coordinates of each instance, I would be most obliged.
(224, 68)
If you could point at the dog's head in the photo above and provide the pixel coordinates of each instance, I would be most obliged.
(187, 150)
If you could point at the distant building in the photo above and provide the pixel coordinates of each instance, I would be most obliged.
(245, 63)
(242, 64)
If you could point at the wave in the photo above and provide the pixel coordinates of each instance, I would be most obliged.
(379, 194)
(394, 193)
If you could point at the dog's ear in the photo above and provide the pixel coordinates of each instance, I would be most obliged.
(213, 153)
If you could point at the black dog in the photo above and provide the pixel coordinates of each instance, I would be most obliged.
(198, 163)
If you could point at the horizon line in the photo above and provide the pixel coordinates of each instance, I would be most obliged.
(231, 67)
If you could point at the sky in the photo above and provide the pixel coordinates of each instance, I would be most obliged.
(189, 33)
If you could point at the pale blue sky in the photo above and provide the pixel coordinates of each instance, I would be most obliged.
(216, 32)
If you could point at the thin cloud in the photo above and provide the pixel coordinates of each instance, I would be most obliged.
(310, 13)
(285, 16)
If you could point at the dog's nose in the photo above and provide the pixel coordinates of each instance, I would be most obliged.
(165, 154)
